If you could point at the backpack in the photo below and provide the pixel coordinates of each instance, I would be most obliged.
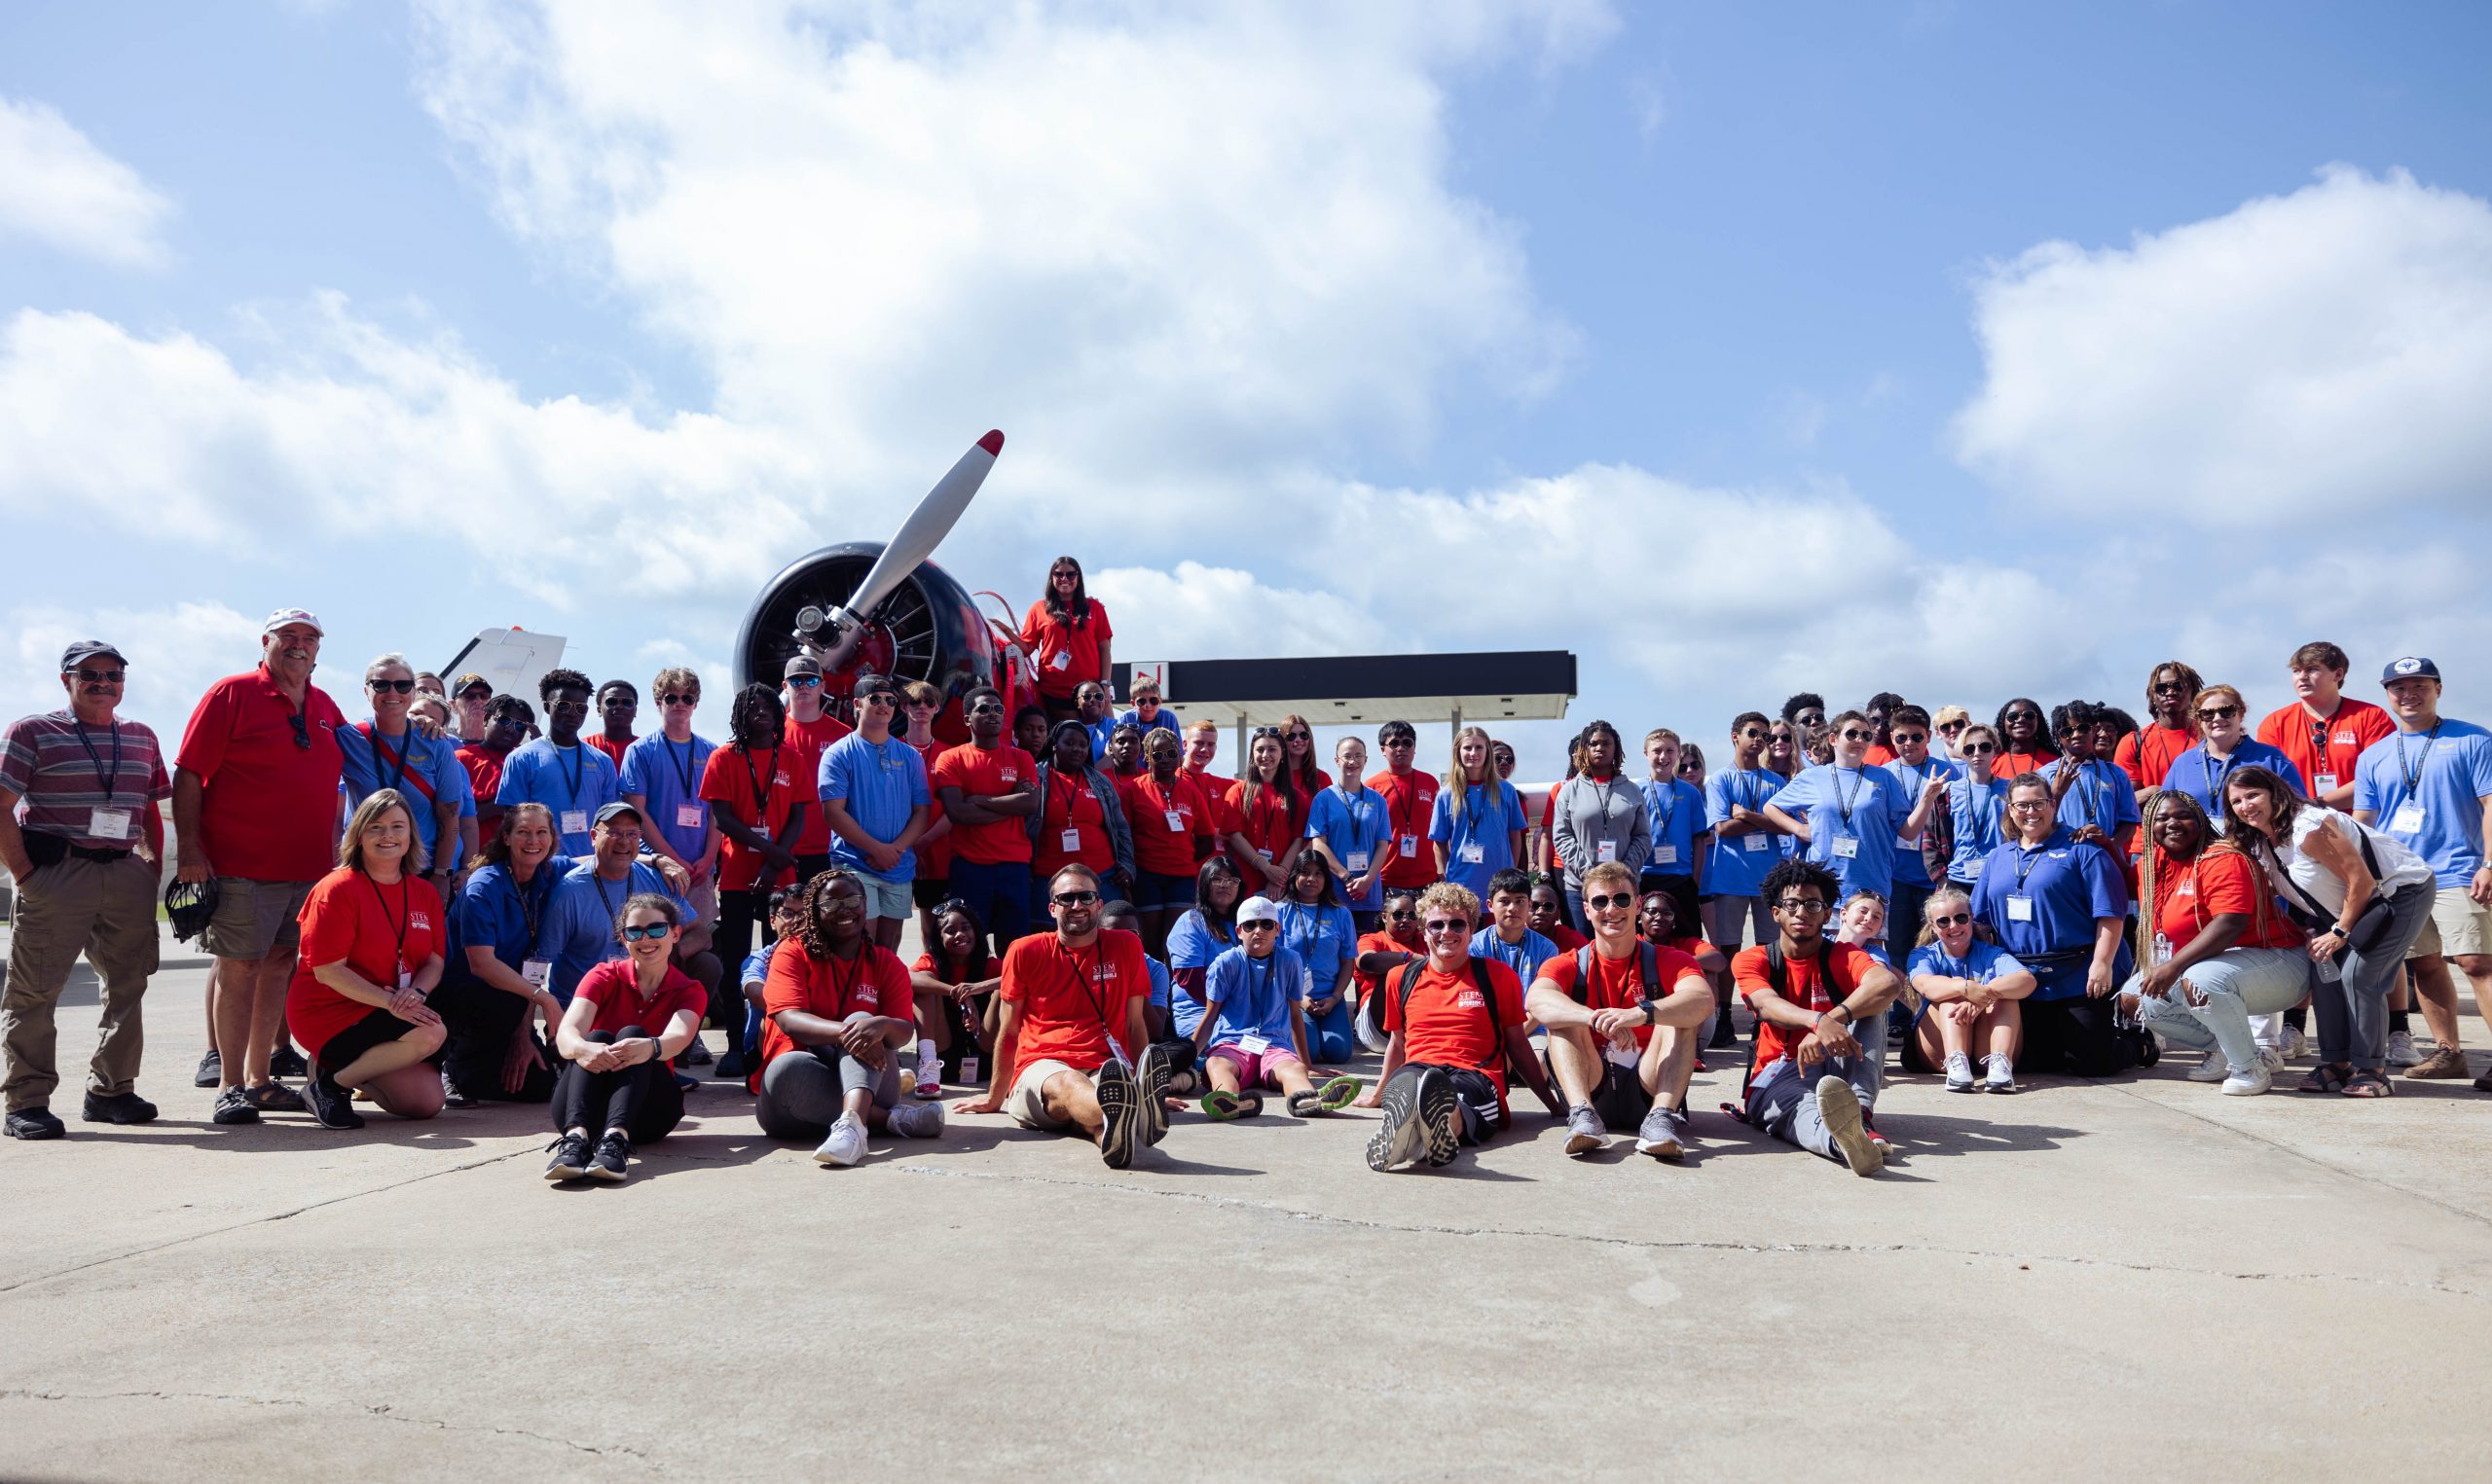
(1777, 977)
(1651, 965)
(1398, 987)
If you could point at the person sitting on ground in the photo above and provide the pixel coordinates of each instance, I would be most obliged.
(1809, 1084)
(1208, 929)
(1548, 915)
(1071, 998)
(1395, 942)
(1508, 936)
(952, 981)
(498, 978)
(1601, 1005)
(618, 1090)
(1176, 1050)
(1971, 990)
(787, 920)
(1253, 1032)
(838, 1008)
(1317, 928)
(371, 955)
(1657, 923)
(1347, 826)
(2214, 946)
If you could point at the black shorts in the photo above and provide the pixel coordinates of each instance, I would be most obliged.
(1484, 1112)
(1619, 1098)
(1155, 891)
(930, 895)
(378, 1027)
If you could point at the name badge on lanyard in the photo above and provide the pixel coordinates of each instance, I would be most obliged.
(1756, 841)
(1253, 1045)
(688, 816)
(1474, 854)
(1357, 861)
(1071, 841)
(108, 824)
(2020, 909)
(2162, 949)
(2407, 821)
(1176, 820)
(1410, 845)
(574, 822)
(1604, 851)
(1665, 855)
(2323, 783)
(536, 971)
(1845, 847)
(1063, 660)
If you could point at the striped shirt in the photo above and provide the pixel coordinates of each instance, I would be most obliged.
(66, 770)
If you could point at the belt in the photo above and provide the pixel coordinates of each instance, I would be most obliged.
(83, 852)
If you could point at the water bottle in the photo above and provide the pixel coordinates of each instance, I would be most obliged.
(930, 1070)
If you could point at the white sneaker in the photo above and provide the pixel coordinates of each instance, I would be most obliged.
(2214, 1069)
(2249, 1084)
(1960, 1073)
(918, 1120)
(2271, 1058)
(2000, 1072)
(2296, 1043)
(846, 1145)
(2401, 1049)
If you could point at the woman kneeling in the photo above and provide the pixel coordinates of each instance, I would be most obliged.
(617, 1086)
(372, 953)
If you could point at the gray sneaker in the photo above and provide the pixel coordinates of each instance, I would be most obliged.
(1585, 1131)
(1960, 1073)
(1662, 1133)
(917, 1120)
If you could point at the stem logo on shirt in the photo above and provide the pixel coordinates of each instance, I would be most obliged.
(420, 921)
(1104, 973)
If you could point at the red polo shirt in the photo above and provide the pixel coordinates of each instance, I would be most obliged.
(1411, 804)
(809, 740)
(484, 770)
(1072, 804)
(615, 991)
(1270, 822)
(1161, 845)
(267, 808)
(2147, 755)
(352, 919)
(1072, 1000)
(610, 747)
(975, 770)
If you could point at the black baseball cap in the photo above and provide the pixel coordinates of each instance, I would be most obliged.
(84, 650)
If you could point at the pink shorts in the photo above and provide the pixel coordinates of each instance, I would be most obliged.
(1257, 1069)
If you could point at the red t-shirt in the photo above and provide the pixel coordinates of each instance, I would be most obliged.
(484, 770)
(1411, 804)
(975, 770)
(1618, 984)
(615, 991)
(834, 989)
(1072, 804)
(269, 809)
(1162, 846)
(934, 856)
(1803, 988)
(2190, 896)
(1379, 942)
(1270, 824)
(610, 747)
(1065, 655)
(2332, 750)
(1446, 1022)
(1879, 756)
(350, 917)
(1226, 820)
(730, 780)
(1072, 1000)
(1567, 939)
(809, 740)
(2145, 755)
(2008, 767)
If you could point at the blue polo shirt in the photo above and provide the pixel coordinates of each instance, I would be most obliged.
(1979, 812)
(1323, 937)
(1354, 829)
(881, 785)
(1982, 963)
(574, 781)
(1862, 804)
(1675, 811)
(1192, 944)
(1100, 730)
(426, 770)
(2447, 773)
(2201, 776)
(2102, 796)
(2068, 885)
(668, 776)
(1910, 869)
(1487, 827)
(496, 911)
(1525, 957)
(1736, 866)
(1254, 996)
(579, 929)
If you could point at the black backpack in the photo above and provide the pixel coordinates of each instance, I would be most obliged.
(1398, 987)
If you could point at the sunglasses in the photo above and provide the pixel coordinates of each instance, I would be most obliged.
(477, 692)
(650, 930)
(1977, 749)
(980, 707)
(882, 697)
(1614, 899)
(1951, 920)
(2162, 686)
(1300, 736)
(1804, 904)
(1951, 728)
(684, 698)
(386, 687)
(302, 731)
(1400, 917)
(2219, 712)
(1907, 739)
(1855, 733)
(1260, 925)
(1445, 925)
(100, 677)
(1074, 898)
(803, 683)
(1684, 769)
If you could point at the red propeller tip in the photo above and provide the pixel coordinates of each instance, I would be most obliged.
(993, 442)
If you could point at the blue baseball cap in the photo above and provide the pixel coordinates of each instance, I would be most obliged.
(2411, 668)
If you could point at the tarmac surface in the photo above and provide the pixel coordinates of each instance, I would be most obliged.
(2140, 1276)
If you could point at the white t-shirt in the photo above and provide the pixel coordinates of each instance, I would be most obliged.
(2399, 866)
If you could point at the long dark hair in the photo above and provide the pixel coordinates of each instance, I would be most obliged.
(975, 968)
(755, 704)
(1078, 609)
(1310, 863)
(1223, 922)
(2045, 742)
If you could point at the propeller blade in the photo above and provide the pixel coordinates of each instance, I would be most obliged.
(927, 526)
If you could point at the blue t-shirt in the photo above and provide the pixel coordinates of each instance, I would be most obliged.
(1525, 957)
(494, 910)
(1192, 944)
(575, 783)
(579, 920)
(1355, 830)
(1166, 721)
(1910, 869)
(1254, 996)
(426, 770)
(2068, 885)
(2103, 796)
(1979, 812)
(2447, 773)
(1865, 806)
(1675, 811)
(1982, 962)
(2201, 776)
(669, 777)
(881, 786)
(1100, 730)
(1736, 866)
(1486, 830)
(1324, 938)
(1159, 982)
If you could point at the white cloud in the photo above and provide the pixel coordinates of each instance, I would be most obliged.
(176, 651)
(58, 189)
(2299, 355)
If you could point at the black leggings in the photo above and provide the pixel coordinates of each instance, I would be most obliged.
(741, 913)
(641, 1099)
(481, 1021)
(2073, 1037)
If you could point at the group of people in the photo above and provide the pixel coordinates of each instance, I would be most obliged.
(451, 901)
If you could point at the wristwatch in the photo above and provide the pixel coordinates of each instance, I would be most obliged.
(1649, 1016)
(2340, 932)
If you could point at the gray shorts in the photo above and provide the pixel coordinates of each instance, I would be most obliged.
(887, 898)
(255, 919)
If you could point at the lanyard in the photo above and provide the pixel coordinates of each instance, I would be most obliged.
(613, 911)
(2026, 860)
(406, 746)
(2414, 775)
(761, 790)
(684, 764)
(1084, 978)
(1985, 824)
(1358, 806)
(1072, 796)
(102, 777)
(1662, 826)
(400, 925)
(1271, 970)
(2215, 780)
(529, 910)
(1604, 790)
(1844, 802)
(578, 770)
(1405, 821)
(2085, 786)
(1149, 788)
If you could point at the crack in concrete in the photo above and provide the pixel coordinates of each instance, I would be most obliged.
(379, 1410)
(1639, 1244)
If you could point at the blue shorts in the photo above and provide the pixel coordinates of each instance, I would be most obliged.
(1155, 892)
(998, 892)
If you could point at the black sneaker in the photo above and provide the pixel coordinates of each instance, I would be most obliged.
(571, 1158)
(1725, 1035)
(287, 1062)
(697, 1054)
(1121, 1105)
(233, 1107)
(329, 1104)
(117, 1107)
(211, 1071)
(1153, 1075)
(453, 1094)
(613, 1152)
(1441, 1115)
(36, 1122)
(1401, 1140)
(730, 1067)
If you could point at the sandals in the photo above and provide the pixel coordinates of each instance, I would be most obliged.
(2366, 1084)
(2327, 1077)
(274, 1098)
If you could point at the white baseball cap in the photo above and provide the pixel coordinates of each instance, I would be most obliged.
(284, 616)
(1259, 909)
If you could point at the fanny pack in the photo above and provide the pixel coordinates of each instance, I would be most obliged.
(45, 851)
(2371, 929)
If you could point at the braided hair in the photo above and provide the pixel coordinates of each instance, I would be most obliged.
(810, 936)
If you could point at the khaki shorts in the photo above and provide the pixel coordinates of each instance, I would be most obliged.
(2458, 925)
(704, 900)
(1028, 1104)
(255, 919)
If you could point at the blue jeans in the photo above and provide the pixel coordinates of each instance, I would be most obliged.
(998, 892)
(2237, 984)
(1329, 1036)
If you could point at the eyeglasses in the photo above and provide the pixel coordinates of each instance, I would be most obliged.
(100, 677)
(1804, 904)
(800, 682)
(2217, 713)
(1446, 924)
(692, 698)
(1400, 917)
(1260, 732)
(2023, 806)
(1074, 898)
(1951, 919)
(399, 687)
(651, 930)
(1613, 899)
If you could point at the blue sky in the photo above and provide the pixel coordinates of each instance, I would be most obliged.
(1722, 345)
